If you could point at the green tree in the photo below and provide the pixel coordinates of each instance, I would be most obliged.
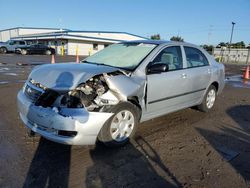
(156, 37)
(208, 48)
(176, 38)
(221, 44)
(240, 44)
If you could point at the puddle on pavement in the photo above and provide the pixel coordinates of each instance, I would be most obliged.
(11, 70)
(10, 74)
(31, 64)
(10, 82)
(4, 82)
(237, 81)
(4, 69)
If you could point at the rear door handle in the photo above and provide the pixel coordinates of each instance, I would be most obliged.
(184, 75)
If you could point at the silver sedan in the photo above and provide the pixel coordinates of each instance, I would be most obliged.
(108, 94)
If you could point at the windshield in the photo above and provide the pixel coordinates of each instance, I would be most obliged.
(122, 55)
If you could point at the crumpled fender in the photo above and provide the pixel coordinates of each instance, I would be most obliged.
(126, 86)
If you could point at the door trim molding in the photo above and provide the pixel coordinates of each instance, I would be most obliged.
(174, 96)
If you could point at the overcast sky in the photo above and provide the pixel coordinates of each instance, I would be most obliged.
(197, 21)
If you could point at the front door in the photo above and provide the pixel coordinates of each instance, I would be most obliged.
(166, 90)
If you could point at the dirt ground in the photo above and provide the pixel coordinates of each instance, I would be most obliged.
(183, 149)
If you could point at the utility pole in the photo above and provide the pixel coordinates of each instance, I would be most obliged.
(231, 37)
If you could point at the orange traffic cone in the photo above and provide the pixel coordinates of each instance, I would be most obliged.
(52, 59)
(77, 58)
(246, 73)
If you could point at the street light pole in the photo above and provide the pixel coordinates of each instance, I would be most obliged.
(233, 23)
(231, 37)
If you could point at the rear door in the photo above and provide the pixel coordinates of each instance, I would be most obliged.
(166, 90)
(198, 73)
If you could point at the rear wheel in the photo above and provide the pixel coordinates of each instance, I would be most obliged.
(209, 99)
(3, 50)
(120, 127)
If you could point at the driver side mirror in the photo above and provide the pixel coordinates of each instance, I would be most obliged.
(157, 68)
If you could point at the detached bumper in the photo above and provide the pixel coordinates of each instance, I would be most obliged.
(49, 123)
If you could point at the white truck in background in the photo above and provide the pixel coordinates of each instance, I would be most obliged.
(11, 45)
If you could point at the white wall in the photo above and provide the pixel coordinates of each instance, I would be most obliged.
(84, 47)
(235, 55)
(7, 34)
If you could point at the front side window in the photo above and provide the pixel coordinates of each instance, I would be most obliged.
(170, 56)
(195, 58)
(123, 55)
(11, 42)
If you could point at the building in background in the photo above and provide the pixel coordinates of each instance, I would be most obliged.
(66, 41)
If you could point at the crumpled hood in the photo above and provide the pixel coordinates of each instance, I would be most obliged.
(67, 76)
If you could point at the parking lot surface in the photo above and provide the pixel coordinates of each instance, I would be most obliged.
(183, 149)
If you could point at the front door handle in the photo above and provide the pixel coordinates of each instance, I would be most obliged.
(209, 71)
(184, 75)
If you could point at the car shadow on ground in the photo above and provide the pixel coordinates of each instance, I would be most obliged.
(128, 166)
(233, 142)
(50, 165)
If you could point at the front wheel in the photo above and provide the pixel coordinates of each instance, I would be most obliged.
(209, 99)
(120, 127)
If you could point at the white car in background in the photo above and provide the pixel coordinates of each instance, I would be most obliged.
(11, 45)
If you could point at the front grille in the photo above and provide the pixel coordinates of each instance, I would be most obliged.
(32, 92)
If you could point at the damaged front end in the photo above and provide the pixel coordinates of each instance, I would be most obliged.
(93, 95)
(75, 116)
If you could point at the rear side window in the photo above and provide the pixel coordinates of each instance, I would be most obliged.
(170, 56)
(21, 43)
(195, 58)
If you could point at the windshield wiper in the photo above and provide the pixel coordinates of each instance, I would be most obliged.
(127, 69)
(88, 62)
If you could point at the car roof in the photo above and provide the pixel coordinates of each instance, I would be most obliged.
(158, 42)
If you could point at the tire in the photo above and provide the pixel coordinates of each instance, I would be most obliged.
(48, 52)
(115, 132)
(208, 100)
(24, 52)
(3, 50)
